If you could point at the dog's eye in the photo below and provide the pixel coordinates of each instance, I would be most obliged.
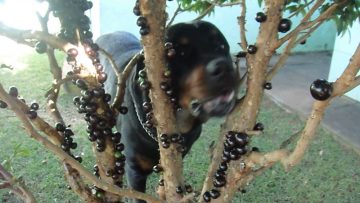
(221, 48)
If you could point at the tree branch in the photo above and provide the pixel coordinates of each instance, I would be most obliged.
(6, 66)
(300, 8)
(204, 13)
(305, 23)
(21, 36)
(244, 116)
(177, 12)
(121, 77)
(16, 186)
(285, 54)
(241, 22)
(341, 84)
(66, 158)
(170, 158)
(349, 77)
(353, 85)
(216, 3)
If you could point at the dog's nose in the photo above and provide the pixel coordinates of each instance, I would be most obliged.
(218, 68)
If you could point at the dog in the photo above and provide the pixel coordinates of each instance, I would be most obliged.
(203, 80)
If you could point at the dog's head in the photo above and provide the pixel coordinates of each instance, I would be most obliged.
(201, 68)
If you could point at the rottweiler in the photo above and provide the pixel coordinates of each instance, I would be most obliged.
(203, 80)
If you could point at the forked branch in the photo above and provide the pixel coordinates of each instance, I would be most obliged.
(66, 158)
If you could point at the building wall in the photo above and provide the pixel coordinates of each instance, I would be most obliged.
(344, 48)
(118, 15)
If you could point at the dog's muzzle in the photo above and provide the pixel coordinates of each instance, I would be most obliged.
(217, 107)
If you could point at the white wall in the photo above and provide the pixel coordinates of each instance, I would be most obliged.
(343, 50)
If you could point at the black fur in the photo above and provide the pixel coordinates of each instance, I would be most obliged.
(201, 70)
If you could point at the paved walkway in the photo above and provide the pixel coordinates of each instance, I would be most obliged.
(291, 91)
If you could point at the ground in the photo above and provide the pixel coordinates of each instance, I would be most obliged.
(329, 171)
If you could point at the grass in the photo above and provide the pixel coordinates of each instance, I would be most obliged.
(329, 172)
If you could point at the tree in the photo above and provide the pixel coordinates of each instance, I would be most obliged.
(75, 40)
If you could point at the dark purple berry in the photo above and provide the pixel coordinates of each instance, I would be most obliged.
(40, 47)
(157, 168)
(68, 132)
(13, 91)
(65, 147)
(220, 174)
(164, 86)
(100, 148)
(169, 45)
(171, 53)
(230, 141)
(106, 97)
(188, 188)
(164, 138)
(207, 196)
(179, 190)
(219, 181)
(260, 17)
(144, 31)
(136, 11)
(102, 77)
(241, 139)
(72, 52)
(145, 85)
(167, 73)
(73, 145)
(32, 114)
(78, 158)
(165, 145)
(240, 150)
(141, 21)
(214, 193)
(234, 154)
(120, 147)
(175, 138)
(241, 54)
(161, 182)
(259, 127)
(147, 106)
(3, 105)
(321, 89)
(268, 86)
(81, 84)
(251, 49)
(123, 110)
(284, 25)
(142, 73)
(99, 67)
(120, 171)
(223, 166)
(115, 176)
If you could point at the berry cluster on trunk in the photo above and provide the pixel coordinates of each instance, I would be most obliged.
(234, 148)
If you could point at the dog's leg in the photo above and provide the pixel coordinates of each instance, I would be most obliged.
(136, 180)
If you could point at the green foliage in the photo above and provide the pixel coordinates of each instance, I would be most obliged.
(199, 6)
(196, 6)
(16, 152)
(344, 17)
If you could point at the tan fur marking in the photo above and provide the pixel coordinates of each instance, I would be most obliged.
(144, 163)
(194, 86)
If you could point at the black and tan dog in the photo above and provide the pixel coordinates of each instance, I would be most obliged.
(203, 80)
